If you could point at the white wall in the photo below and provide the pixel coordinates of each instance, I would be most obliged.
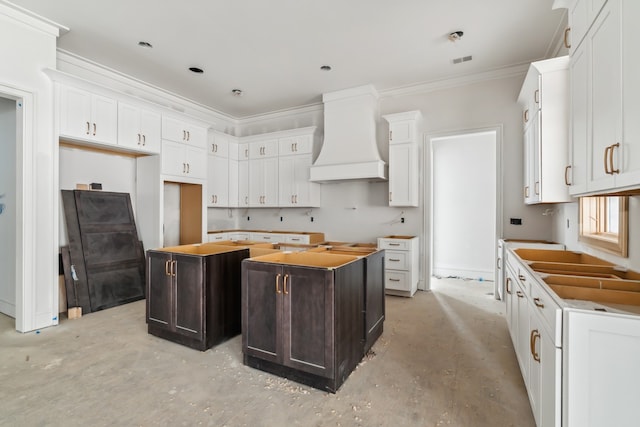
(8, 206)
(27, 47)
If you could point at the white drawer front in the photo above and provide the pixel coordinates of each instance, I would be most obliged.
(395, 260)
(550, 311)
(216, 237)
(394, 244)
(267, 237)
(397, 280)
(296, 238)
(238, 236)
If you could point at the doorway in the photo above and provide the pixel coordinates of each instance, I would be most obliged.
(8, 203)
(465, 168)
(182, 214)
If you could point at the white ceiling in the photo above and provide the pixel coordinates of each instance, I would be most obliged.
(273, 49)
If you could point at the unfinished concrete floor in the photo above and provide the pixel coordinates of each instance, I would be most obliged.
(445, 358)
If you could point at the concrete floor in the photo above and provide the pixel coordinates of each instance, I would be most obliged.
(445, 358)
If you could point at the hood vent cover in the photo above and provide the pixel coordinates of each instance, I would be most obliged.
(350, 149)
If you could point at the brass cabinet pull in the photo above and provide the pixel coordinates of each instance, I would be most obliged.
(526, 115)
(394, 244)
(613, 147)
(390, 196)
(394, 259)
(278, 283)
(166, 268)
(296, 147)
(246, 200)
(88, 128)
(537, 188)
(284, 287)
(508, 287)
(526, 192)
(173, 268)
(566, 37)
(144, 140)
(394, 280)
(188, 167)
(535, 334)
(95, 128)
(296, 198)
(498, 263)
(520, 294)
(537, 302)
(184, 135)
(566, 175)
(188, 136)
(521, 277)
(536, 96)
(184, 168)
(246, 153)
(606, 165)
(138, 139)
(292, 198)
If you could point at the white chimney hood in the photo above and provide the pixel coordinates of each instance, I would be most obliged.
(350, 149)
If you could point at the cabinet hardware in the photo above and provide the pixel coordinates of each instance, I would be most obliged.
(537, 302)
(277, 283)
(295, 198)
(246, 153)
(173, 268)
(188, 136)
(526, 192)
(284, 286)
(394, 280)
(526, 115)
(520, 294)
(138, 139)
(184, 168)
(144, 140)
(295, 239)
(166, 267)
(536, 96)
(537, 188)
(613, 147)
(394, 244)
(498, 263)
(88, 128)
(566, 37)
(95, 128)
(246, 200)
(188, 167)
(292, 149)
(521, 277)
(566, 175)
(184, 135)
(394, 259)
(295, 145)
(535, 334)
(508, 287)
(606, 165)
(390, 196)
(390, 135)
(292, 199)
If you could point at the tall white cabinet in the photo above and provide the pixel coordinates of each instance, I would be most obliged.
(545, 104)
(404, 138)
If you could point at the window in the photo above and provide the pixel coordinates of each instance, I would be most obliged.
(603, 223)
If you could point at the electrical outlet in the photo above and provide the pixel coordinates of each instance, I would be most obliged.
(280, 219)
(402, 220)
(311, 219)
(516, 221)
(248, 218)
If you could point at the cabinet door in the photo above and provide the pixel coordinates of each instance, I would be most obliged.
(256, 183)
(527, 150)
(189, 297)
(129, 134)
(401, 131)
(535, 157)
(159, 289)
(550, 382)
(218, 181)
(403, 179)
(196, 160)
(511, 301)
(307, 320)
(234, 184)
(262, 311)
(271, 182)
(306, 193)
(243, 183)
(522, 336)
(603, 42)
(173, 130)
(533, 360)
(150, 123)
(173, 160)
(75, 112)
(579, 130)
(104, 112)
(286, 181)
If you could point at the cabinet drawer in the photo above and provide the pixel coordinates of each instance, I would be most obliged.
(397, 280)
(267, 237)
(394, 244)
(395, 260)
(549, 311)
(216, 237)
(296, 238)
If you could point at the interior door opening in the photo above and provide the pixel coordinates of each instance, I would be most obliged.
(464, 214)
(182, 214)
(9, 131)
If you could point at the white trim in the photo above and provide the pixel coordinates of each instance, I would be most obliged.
(428, 190)
(31, 19)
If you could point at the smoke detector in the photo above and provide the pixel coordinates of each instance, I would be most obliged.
(455, 36)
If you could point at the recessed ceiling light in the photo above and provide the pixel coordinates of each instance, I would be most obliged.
(455, 36)
(145, 44)
(236, 92)
(196, 70)
(326, 68)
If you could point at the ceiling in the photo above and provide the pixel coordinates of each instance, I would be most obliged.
(273, 49)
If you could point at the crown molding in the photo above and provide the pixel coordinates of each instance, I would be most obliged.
(32, 19)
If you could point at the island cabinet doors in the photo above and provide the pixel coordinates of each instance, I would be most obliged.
(288, 316)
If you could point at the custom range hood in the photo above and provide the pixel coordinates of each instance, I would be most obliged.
(349, 150)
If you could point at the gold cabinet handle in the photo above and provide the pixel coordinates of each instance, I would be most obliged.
(284, 286)
(526, 115)
(535, 334)
(88, 128)
(246, 200)
(184, 168)
(278, 283)
(536, 96)
(566, 175)
(537, 188)
(295, 198)
(509, 287)
(144, 140)
(394, 259)
(394, 244)
(394, 280)
(521, 277)
(184, 135)
(537, 302)
(498, 263)
(526, 192)
(520, 294)
(606, 165)
(188, 167)
(188, 136)
(292, 198)
(95, 128)
(390, 135)
(138, 139)
(391, 196)
(613, 147)
(166, 267)
(173, 268)
(566, 37)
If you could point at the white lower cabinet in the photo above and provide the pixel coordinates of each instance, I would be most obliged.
(401, 264)
(217, 237)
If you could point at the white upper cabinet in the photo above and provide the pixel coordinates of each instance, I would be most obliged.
(581, 15)
(295, 160)
(604, 109)
(404, 135)
(87, 116)
(138, 128)
(183, 161)
(179, 131)
(217, 170)
(243, 175)
(544, 98)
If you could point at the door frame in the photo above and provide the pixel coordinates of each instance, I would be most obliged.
(25, 206)
(427, 242)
